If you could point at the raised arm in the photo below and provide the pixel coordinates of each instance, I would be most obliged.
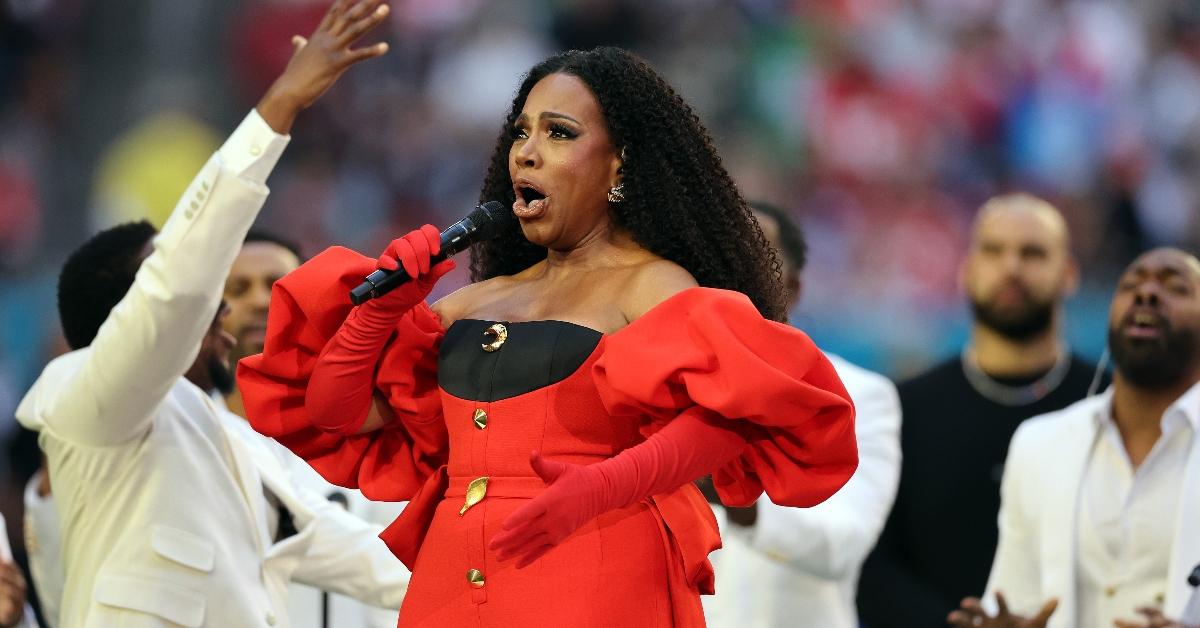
(152, 336)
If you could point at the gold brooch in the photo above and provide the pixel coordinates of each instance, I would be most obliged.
(498, 333)
(475, 492)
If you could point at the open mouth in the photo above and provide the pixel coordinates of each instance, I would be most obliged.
(1144, 325)
(531, 202)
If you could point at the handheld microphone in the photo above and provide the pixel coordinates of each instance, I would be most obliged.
(483, 223)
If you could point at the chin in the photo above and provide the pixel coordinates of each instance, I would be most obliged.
(537, 232)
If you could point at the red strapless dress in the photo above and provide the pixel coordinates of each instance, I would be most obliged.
(464, 413)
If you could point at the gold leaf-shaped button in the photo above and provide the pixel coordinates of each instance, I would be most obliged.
(475, 492)
(475, 577)
(480, 418)
(498, 334)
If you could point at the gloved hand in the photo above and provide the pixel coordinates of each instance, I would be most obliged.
(339, 391)
(693, 444)
(413, 252)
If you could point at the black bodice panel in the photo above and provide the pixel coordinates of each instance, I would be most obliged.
(534, 354)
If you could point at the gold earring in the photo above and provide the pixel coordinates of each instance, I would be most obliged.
(616, 194)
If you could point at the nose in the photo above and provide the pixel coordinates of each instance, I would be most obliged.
(527, 153)
(1012, 262)
(261, 299)
(1147, 293)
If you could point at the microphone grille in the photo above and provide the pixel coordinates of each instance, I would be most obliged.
(488, 218)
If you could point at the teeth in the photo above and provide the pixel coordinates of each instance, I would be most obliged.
(1143, 319)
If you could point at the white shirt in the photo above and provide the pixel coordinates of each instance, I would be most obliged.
(1127, 514)
(800, 566)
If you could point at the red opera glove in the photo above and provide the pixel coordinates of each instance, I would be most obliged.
(690, 446)
(339, 392)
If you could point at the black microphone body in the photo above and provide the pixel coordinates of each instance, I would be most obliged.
(1194, 578)
(483, 223)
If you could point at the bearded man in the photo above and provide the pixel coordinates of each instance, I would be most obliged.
(940, 538)
(1101, 499)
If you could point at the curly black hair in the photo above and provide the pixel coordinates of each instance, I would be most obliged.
(96, 277)
(680, 203)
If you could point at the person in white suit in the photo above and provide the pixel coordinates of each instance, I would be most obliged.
(1101, 500)
(165, 519)
(785, 566)
(341, 546)
(264, 259)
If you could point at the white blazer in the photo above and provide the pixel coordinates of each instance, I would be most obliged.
(305, 602)
(379, 580)
(800, 566)
(333, 549)
(1040, 493)
(162, 515)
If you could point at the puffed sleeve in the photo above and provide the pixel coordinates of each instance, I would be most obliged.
(712, 348)
(307, 308)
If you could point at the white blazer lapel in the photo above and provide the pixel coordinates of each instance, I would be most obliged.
(1068, 455)
(1186, 552)
(248, 476)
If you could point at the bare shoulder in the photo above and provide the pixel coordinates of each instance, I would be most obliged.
(652, 283)
(458, 304)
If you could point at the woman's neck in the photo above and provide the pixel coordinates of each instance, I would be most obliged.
(604, 247)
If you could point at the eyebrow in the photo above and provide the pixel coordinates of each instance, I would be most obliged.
(549, 114)
(1166, 270)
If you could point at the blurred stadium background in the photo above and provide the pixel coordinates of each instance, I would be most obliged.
(882, 124)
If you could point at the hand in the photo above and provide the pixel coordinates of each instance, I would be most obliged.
(318, 61)
(569, 501)
(1154, 619)
(414, 251)
(12, 594)
(971, 615)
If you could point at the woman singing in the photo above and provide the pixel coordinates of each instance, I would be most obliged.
(546, 422)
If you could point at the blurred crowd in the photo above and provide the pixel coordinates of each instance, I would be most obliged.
(881, 124)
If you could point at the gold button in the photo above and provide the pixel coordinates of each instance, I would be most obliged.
(475, 577)
(255, 150)
(1110, 591)
(475, 492)
(270, 618)
(480, 418)
(498, 334)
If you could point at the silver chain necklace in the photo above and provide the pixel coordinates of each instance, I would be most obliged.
(1014, 396)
